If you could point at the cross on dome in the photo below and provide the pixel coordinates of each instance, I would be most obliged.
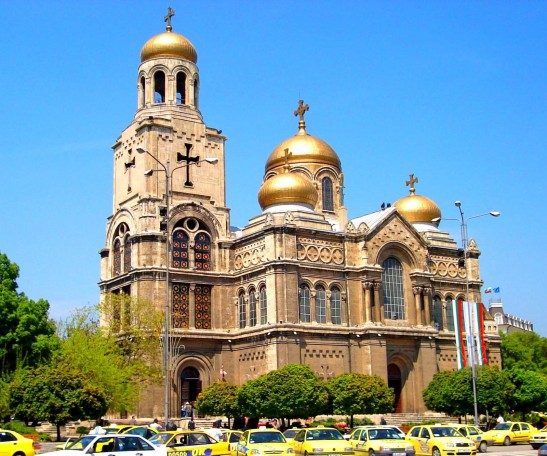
(413, 180)
(170, 14)
(300, 111)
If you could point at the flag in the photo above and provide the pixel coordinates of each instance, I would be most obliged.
(488, 290)
(497, 290)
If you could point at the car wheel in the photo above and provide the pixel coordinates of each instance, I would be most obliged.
(370, 452)
(535, 446)
(436, 452)
(483, 447)
(19, 453)
(507, 441)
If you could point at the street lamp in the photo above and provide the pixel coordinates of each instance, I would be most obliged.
(166, 168)
(472, 355)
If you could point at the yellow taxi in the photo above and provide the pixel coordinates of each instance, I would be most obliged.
(12, 443)
(321, 440)
(379, 440)
(476, 434)
(290, 433)
(538, 439)
(265, 441)
(231, 437)
(180, 443)
(510, 432)
(440, 440)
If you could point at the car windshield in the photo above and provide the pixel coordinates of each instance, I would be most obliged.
(266, 437)
(445, 432)
(160, 439)
(81, 443)
(379, 434)
(290, 433)
(324, 434)
(502, 427)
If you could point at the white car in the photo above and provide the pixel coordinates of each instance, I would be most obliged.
(109, 445)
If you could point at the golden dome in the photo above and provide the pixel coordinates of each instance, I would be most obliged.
(305, 149)
(287, 188)
(417, 208)
(169, 44)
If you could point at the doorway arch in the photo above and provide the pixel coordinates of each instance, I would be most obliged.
(190, 384)
(395, 381)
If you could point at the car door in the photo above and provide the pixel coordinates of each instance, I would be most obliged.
(525, 431)
(362, 446)
(516, 433)
(7, 443)
(133, 445)
(298, 443)
(354, 438)
(414, 438)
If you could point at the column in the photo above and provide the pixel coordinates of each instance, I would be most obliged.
(417, 303)
(427, 305)
(379, 309)
(313, 316)
(368, 308)
(443, 306)
(190, 91)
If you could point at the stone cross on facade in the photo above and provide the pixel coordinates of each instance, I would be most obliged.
(170, 14)
(413, 180)
(189, 160)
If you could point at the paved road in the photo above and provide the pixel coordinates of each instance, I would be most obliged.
(520, 449)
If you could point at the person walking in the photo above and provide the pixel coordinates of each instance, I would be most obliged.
(383, 421)
(156, 425)
(171, 426)
(215, 431)
(191, 424)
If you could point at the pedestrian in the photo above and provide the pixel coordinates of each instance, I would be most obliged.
(156, 425)
(133, 421)
(191, 424)
(383, 422)
(500, 420)
(189, 410)
(183, 410)
(215, 431)
(171, 426)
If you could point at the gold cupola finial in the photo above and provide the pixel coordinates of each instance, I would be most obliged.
(413, 180)
(300, 111)
(170, 14)
(286, 166)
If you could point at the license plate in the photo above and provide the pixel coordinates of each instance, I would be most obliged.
(399, 454)
(464, 452)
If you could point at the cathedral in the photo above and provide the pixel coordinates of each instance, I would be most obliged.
(300, 283)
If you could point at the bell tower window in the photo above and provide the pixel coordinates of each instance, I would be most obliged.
(143, 92)
(181, 88)
(159, 87)
(328, 201)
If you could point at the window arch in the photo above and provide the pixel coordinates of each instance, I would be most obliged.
(121, 250)
(304, 305)
(159, 87)
(320, 304)
(252, 308)
(438, 313)
(392, 284)
(335, 307)
(202, 248)
(328, 197)
(449, 314)
(180, 249)
(143, 91)
(242, 310)
(181, 87)
(263, 306)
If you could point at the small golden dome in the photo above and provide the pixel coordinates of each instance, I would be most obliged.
(417, 208)
(287, 188)
(169, 44)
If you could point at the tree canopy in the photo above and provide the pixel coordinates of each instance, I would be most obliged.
(524, 350)
(219, 398)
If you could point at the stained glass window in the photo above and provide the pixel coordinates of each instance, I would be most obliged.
(117, 257)
(203, 251)
(127, 254)
(328, 200)
(203, 306)
(242, 311)
(181, 307)
(263, 306)
(252, 308)
(304, 307)
(335, 307)
(392, 284)
(437, 313)
(180, 249)
(320, 305)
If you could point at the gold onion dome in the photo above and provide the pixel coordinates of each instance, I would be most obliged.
(287, 188)
(169, 44)
(417, 208)
(305, 149)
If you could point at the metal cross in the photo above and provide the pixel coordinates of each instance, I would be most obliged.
(302, 108)
(411, 182)
(189, 160)
(287, 156)
(170, 14)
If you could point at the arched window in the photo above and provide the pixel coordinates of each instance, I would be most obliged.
(117, 257)
(181, 87)
(242, 310)
(159, 87)
(127, 254)
(143, 92)
(335, 307)
(304, 305)
(180, 249)
(202, 248)
(263, 306)
(252, 308)
(328, 199)
(320, 305)
(449, 314)
(196, 92)
(392, 284)
(438, 313)
(121, 250)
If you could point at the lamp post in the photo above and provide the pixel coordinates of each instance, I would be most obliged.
(166, 168)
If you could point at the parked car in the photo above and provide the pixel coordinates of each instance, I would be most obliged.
(321, 439)
(440, 440)
(380, 440)
(12, 443)
(510, 433)
(109, 445)
(538, 439)
(474, 433)
(266, 441)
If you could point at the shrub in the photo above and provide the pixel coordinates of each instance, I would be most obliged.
(19, 427)
(82, 430)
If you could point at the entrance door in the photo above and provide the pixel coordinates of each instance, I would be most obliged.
(190, 384)
(394, 380)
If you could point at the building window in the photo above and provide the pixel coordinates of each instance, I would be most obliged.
(180, 249)
(143, 92)
(181, 307)
(328, 199)
(392, 284)
(202, 294)
(159, 87)
(449, 314)
(121, 250)
(335, 307)
(242, 311)
(438, 313)
(252, 308)
(117, 257)
(196, 92)
(320, 305)
(263, 306)
(304, 306)
(202, 249)
(181, 88)
(127, 254)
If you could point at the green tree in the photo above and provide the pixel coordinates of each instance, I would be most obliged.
(58, 394)
(294, 391)
(494, 390)
(524, 350)
(530, 391)
(219, 398)
(353, 394)
(27, 335)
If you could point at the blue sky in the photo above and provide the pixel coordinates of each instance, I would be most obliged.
(454, 92)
